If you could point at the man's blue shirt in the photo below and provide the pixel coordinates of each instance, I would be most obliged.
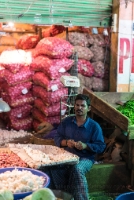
(90, 133)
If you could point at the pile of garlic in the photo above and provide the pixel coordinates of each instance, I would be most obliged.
(20, 181)
(7, 136)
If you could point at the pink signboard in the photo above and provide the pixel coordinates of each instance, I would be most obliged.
(125, 69)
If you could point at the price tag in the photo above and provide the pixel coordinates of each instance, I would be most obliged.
(54, 88)
(24, 91)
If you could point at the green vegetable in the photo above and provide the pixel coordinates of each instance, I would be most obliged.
(43, 194)
(6, 195)
(128, 110)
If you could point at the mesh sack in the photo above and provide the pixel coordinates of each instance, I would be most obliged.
(41, 79)
(28, 42)
(54, 47)
(19, 100)
(85, 81)
(99, 69)
(52, 110)
(53, 30)
(24, 75)
(99, 39)
(17, 90)
(85, 68)
(51, 67)
(49, 98)
(15, 60)
(83, 52)
(100, 85)
(20, 112)
(78, 39)
(2, 70)
(42, 118)
(21, 124)
(98, 52)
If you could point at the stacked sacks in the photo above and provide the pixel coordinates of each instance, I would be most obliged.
(16, 88)
(51, 61)
(92, 60)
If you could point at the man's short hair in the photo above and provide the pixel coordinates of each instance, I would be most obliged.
(83, 97)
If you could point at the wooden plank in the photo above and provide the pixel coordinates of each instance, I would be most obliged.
(100, 114)
(110, 113)
(15, 31)
(114, 52)
(105, 110)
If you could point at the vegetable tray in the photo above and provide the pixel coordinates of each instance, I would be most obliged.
(57, 155)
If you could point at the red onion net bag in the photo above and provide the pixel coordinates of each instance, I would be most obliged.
(42, 118)
(85, 67)
(99, 84)
(78, 39)
(27, 41)
(51, 67)
(19, 100)
(49, 98)
(54, 47)
(24, 75)
(2, 69)
(19, 89)
(52, 110)
(53, 30)
(21, 124)
(14, 60)
(85, 81)
(20, 112)
(99, 53)
(41, 79)
(97, 39)
(83, 52)
(99, 69)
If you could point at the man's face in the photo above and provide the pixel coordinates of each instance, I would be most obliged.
(81, 108)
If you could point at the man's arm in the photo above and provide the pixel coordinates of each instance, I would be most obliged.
(59, 138)
(97, 143)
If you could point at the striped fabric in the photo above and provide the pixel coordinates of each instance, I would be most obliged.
(70, 178)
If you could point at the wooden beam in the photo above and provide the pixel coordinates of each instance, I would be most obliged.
(14, 31)
(106, 111)
(114, 52)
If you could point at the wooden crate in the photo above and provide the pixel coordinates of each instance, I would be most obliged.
(108, 110)
(37, 140)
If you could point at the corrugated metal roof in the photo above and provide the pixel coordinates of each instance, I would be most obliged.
(65, 12)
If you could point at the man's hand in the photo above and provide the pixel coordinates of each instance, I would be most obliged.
(70, 143)
(79, 145)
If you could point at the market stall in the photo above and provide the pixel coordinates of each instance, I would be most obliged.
(43, 43)
(110, 161)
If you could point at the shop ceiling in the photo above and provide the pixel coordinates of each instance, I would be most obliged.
(64, 12)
